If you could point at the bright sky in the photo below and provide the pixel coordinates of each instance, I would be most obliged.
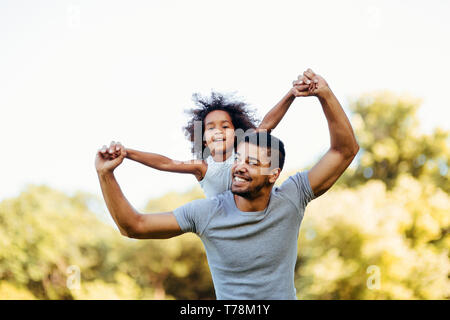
(75, 75)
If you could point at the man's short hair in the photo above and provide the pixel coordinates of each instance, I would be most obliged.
(265, 139)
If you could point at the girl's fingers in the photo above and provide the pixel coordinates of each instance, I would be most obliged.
(300, 93)
(301, 87)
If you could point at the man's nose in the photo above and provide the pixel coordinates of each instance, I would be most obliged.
(240, 166)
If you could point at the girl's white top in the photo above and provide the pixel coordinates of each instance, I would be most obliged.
(218, 176)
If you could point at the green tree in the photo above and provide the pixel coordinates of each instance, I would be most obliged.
(371, 243)
(387, 129)
(47, 237)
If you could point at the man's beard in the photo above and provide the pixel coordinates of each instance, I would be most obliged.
(249, 193)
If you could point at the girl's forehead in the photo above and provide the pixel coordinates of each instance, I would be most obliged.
(217, 115)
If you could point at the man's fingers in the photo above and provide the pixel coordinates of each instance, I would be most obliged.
(112, 147)
(104, 151)
(309, 74)
(302, 80)
(115, 149)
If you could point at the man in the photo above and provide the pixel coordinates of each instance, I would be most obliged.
(250, 233)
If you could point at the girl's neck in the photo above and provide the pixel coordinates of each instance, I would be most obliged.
(222, 156)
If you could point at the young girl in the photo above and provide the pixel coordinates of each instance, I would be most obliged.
(218, 118)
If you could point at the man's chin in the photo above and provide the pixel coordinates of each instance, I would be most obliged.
(240, 192)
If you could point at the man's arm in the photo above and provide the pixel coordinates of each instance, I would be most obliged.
(343, 144)
(196, 167)
(131, 223)
(274, 116)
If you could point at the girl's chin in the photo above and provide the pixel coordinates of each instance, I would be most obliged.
(221, 150)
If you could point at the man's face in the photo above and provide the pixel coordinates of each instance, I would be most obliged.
(251, 171)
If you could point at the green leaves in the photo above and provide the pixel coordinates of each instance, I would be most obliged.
(387, 128)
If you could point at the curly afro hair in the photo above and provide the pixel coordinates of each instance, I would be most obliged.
(241, 116)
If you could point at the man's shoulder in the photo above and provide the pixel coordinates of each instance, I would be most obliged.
(293, 179)
(297, 189)
(195, 216)
(216, 201)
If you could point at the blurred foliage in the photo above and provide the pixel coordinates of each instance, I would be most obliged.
(43, 233)
(387, 130)
(402, 233)
(381, 233)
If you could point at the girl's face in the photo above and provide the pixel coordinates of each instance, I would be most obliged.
(219, 132)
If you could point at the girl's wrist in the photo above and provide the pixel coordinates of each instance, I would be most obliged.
(129, 153)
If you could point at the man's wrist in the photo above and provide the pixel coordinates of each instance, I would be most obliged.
(291, 94)
(325, 93)
(102, 173)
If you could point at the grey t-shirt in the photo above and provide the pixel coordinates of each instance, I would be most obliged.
(251, 255)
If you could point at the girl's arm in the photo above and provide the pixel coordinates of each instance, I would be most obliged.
(274, 116)
(196, 167)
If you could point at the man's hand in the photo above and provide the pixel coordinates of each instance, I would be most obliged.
(107, 159)
(310, 84)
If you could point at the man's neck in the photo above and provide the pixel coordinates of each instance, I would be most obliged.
(257, 203)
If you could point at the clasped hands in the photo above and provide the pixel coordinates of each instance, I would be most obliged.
(309, 84)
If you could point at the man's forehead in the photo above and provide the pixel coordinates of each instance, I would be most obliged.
(246, 149)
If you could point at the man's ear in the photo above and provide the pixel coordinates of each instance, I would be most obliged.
(274, 174)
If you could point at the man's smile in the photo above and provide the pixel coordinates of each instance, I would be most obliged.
(241, 178)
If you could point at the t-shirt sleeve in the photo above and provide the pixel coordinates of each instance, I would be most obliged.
(298, 190)
(195, 215)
